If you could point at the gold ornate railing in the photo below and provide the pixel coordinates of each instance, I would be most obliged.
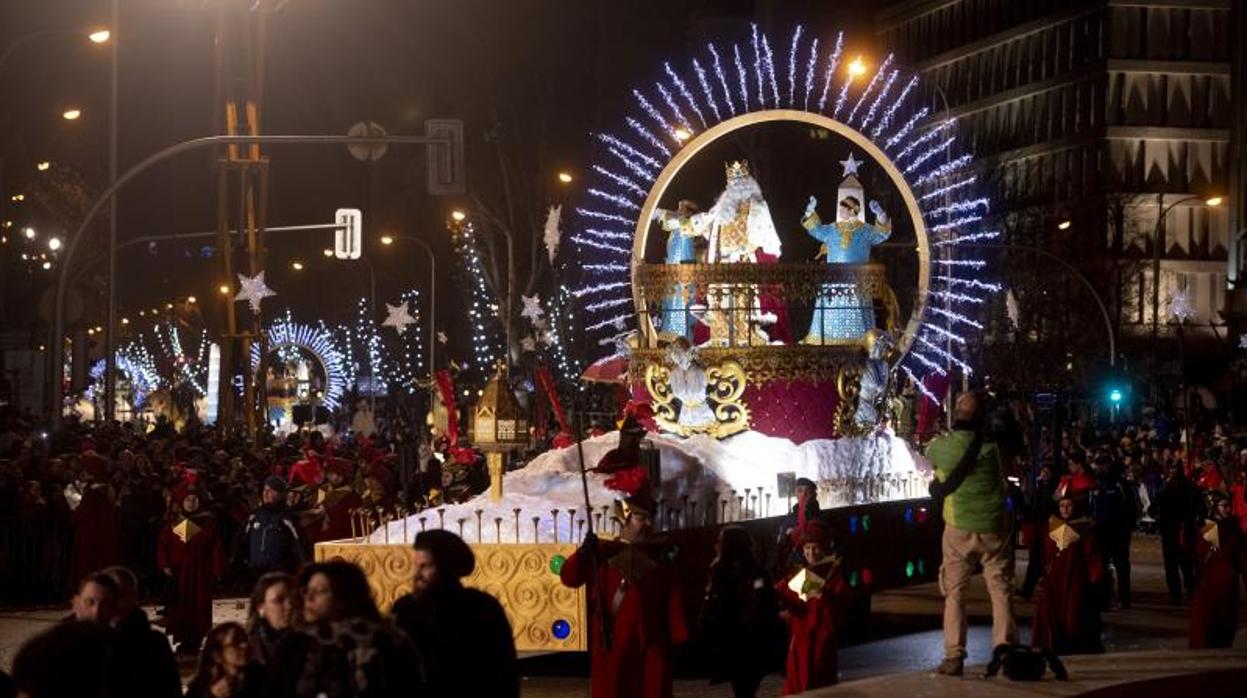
(796, 281)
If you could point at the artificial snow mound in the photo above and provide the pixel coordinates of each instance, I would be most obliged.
(705, 470)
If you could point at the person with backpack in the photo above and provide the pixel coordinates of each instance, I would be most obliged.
(271, 534)
(969, 480)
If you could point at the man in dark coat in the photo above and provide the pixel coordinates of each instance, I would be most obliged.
(462, 634)
(271, 534)
(143, 663)
(1177, 506)
(1115, 509)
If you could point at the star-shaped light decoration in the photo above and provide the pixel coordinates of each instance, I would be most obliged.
(540, 324)
(398, 317)
(1180, 305)
(850, 166)
(442, 338)
(546, 339)
(528, 344)
(532, 307)
(253, 291)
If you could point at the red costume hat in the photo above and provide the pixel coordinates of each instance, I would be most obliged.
(94, 464)
(343, 467)
(818, 533)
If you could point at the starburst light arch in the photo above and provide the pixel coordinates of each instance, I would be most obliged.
(319, 343)
(733, 84)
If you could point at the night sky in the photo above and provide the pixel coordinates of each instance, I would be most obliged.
(541, 75)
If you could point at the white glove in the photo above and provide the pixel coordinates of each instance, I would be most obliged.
(809, 207)
(877, 209)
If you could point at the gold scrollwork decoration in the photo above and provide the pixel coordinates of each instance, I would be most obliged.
(848, 384)
(726, 383)
(657, 382)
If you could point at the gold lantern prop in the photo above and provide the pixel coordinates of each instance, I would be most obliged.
(498, 427)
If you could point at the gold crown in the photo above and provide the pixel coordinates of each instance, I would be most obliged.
(737, 169)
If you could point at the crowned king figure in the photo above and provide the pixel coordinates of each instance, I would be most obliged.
(842, 313)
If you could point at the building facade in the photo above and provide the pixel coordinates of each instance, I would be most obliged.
(1107, 132)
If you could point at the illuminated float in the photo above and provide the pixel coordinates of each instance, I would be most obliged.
(775, 256)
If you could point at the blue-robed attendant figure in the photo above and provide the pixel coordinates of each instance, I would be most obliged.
(841, 312)
(682, 225)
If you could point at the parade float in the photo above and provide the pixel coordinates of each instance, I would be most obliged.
(775, 244)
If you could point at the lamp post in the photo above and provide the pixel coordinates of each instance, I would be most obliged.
(1157, 244)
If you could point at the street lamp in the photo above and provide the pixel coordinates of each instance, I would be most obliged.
(71, 114)
(43, 165)
(387, 240)
(565, 178)
(327, 252)
(1063, 225)
(297, 266)
(224, 289)
(458, 216)
(189, 299)
(857, 68)
(100, 36)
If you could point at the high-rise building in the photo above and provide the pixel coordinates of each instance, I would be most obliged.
(1105, 130)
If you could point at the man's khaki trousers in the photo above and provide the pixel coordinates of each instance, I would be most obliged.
(962, 550)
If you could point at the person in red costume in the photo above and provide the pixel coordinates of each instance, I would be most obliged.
(1077, 483)
(190, 554)
(94, 521)
(310, 471)
(808, 599)
(1239, 492)
(1067, 617)
(335, 501)
(1221, 563)
(1210, 478)
(636, 607)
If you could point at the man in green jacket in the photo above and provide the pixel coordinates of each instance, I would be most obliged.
(975, 532)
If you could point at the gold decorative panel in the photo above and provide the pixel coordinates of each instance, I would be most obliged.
(518, 575)
(726, 383)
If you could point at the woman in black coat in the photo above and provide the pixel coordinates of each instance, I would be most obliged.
(739, 619)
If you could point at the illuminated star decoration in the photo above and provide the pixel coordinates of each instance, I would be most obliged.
(850, 166)
(547, 339)
(253, 291)
(442, 338)
(1180, 305)
(532, 307)
(528, 344)
(398, 317)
